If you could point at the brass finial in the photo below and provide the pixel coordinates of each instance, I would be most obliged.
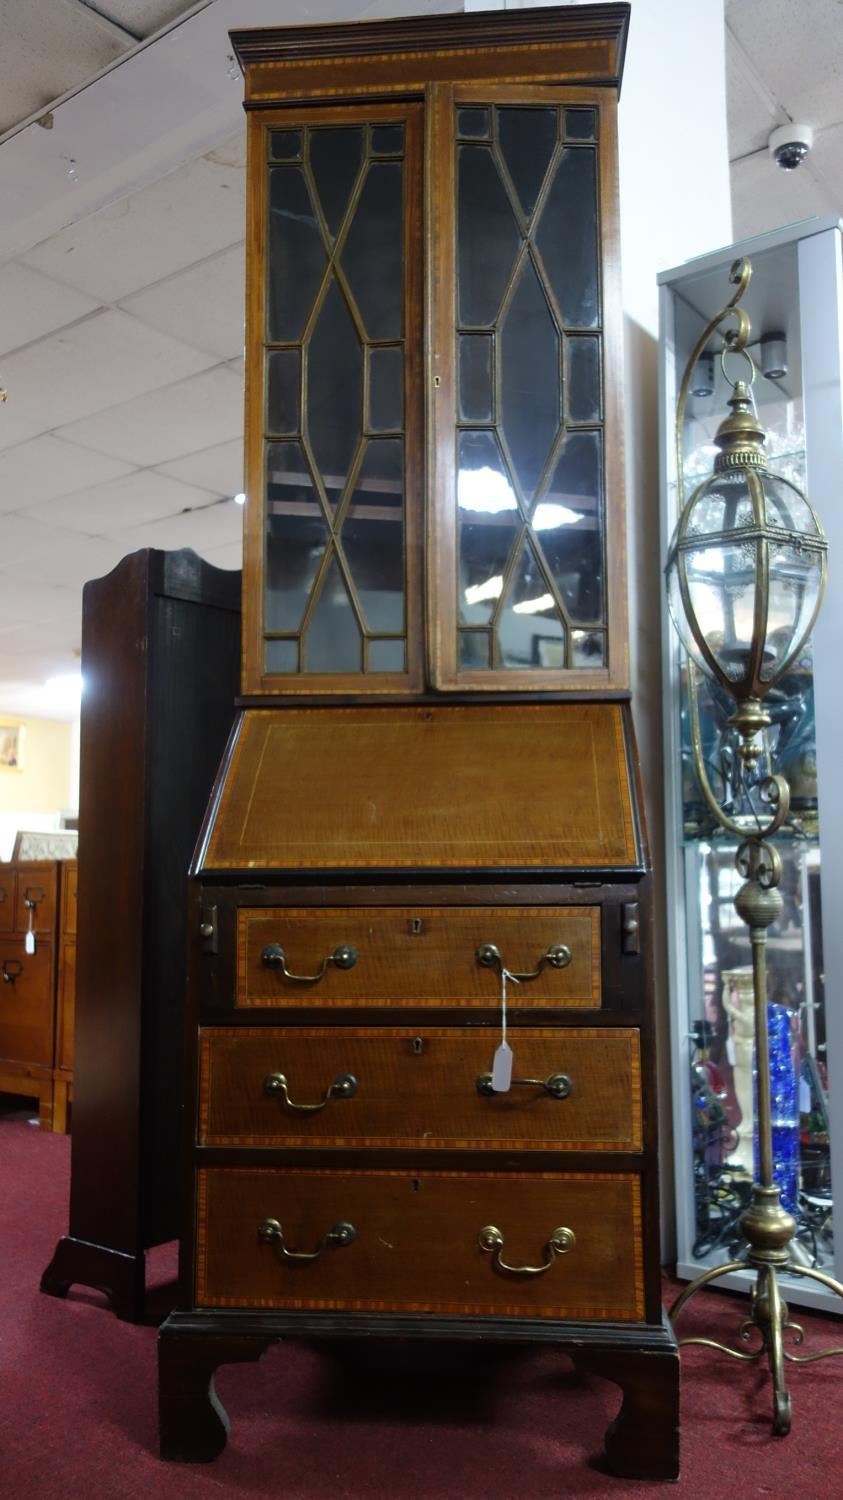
(740, 436)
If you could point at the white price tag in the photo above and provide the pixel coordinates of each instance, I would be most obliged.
(29, 942)
(502, 1068)
(503, 1059)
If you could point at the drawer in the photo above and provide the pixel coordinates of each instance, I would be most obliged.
(7, 901)
(36, 883)
(26, 1002)
(419, 1088)
(415, 1244)
(417, 956)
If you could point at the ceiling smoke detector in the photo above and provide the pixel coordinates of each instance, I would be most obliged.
(790, 144)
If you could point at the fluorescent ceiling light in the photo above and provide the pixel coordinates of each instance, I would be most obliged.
(533, 606)
(548, 515)
(485, 490)
(491, 589)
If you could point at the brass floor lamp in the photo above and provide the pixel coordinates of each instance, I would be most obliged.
(746, 571)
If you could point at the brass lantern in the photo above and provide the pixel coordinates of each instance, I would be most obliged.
(745, 574)
(745, 570)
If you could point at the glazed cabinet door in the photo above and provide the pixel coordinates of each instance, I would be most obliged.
(526, 501)
(332, 566)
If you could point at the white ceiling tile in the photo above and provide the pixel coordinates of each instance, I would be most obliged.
(48, 49)
(31, 603)
(109, 357)
(752, 111)
(143, 17)
(110, 508)
(31, 662)
(826, 160)
(63, 637)
(44, 467)
(169, 422)
(232, 153)
(764, 197)
(19, 540)
(798, 51)
(150, 234)
(32, 305)
(219, 468)
(229, 557)
(53, 554)
(216, 526)
(203, 305)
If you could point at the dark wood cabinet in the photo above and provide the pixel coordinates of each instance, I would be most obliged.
(426, 836)
(160, 654)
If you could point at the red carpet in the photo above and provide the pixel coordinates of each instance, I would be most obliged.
(78, 1418)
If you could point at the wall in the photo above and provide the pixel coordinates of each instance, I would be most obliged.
(34, 796)
(675, 203)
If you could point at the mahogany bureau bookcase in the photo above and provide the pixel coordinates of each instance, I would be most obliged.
(420, 1091)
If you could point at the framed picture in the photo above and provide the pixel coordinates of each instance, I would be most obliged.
(12, 738)
(52, 845)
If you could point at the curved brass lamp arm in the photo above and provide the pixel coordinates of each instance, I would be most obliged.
(780, 791)
(739, 275)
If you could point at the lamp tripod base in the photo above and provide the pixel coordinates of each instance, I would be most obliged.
(769, 1318)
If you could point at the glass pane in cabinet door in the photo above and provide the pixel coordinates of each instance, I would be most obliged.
(334, 392)
(334, 419)
(372, 256)
(530, 459)
(296, 536)
(332, 639)
(568, 523)
(530, 632)
(335, 155)
(297, 256)
(373, 537)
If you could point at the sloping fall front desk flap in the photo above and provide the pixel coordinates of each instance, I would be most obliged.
(514, 786)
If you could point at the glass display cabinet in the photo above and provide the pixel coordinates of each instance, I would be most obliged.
(794, 304)
(506, 393)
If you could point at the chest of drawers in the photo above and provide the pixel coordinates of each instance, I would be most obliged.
(35, 898)
(350, 1166)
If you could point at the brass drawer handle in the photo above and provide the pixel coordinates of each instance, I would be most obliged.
(12, 967)
(558, 1085)
(561, 1241)
(344, 1086)
(558, 956)
(271, 1233)
(274, 957)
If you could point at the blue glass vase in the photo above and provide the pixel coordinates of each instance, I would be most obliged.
(784, 1108)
